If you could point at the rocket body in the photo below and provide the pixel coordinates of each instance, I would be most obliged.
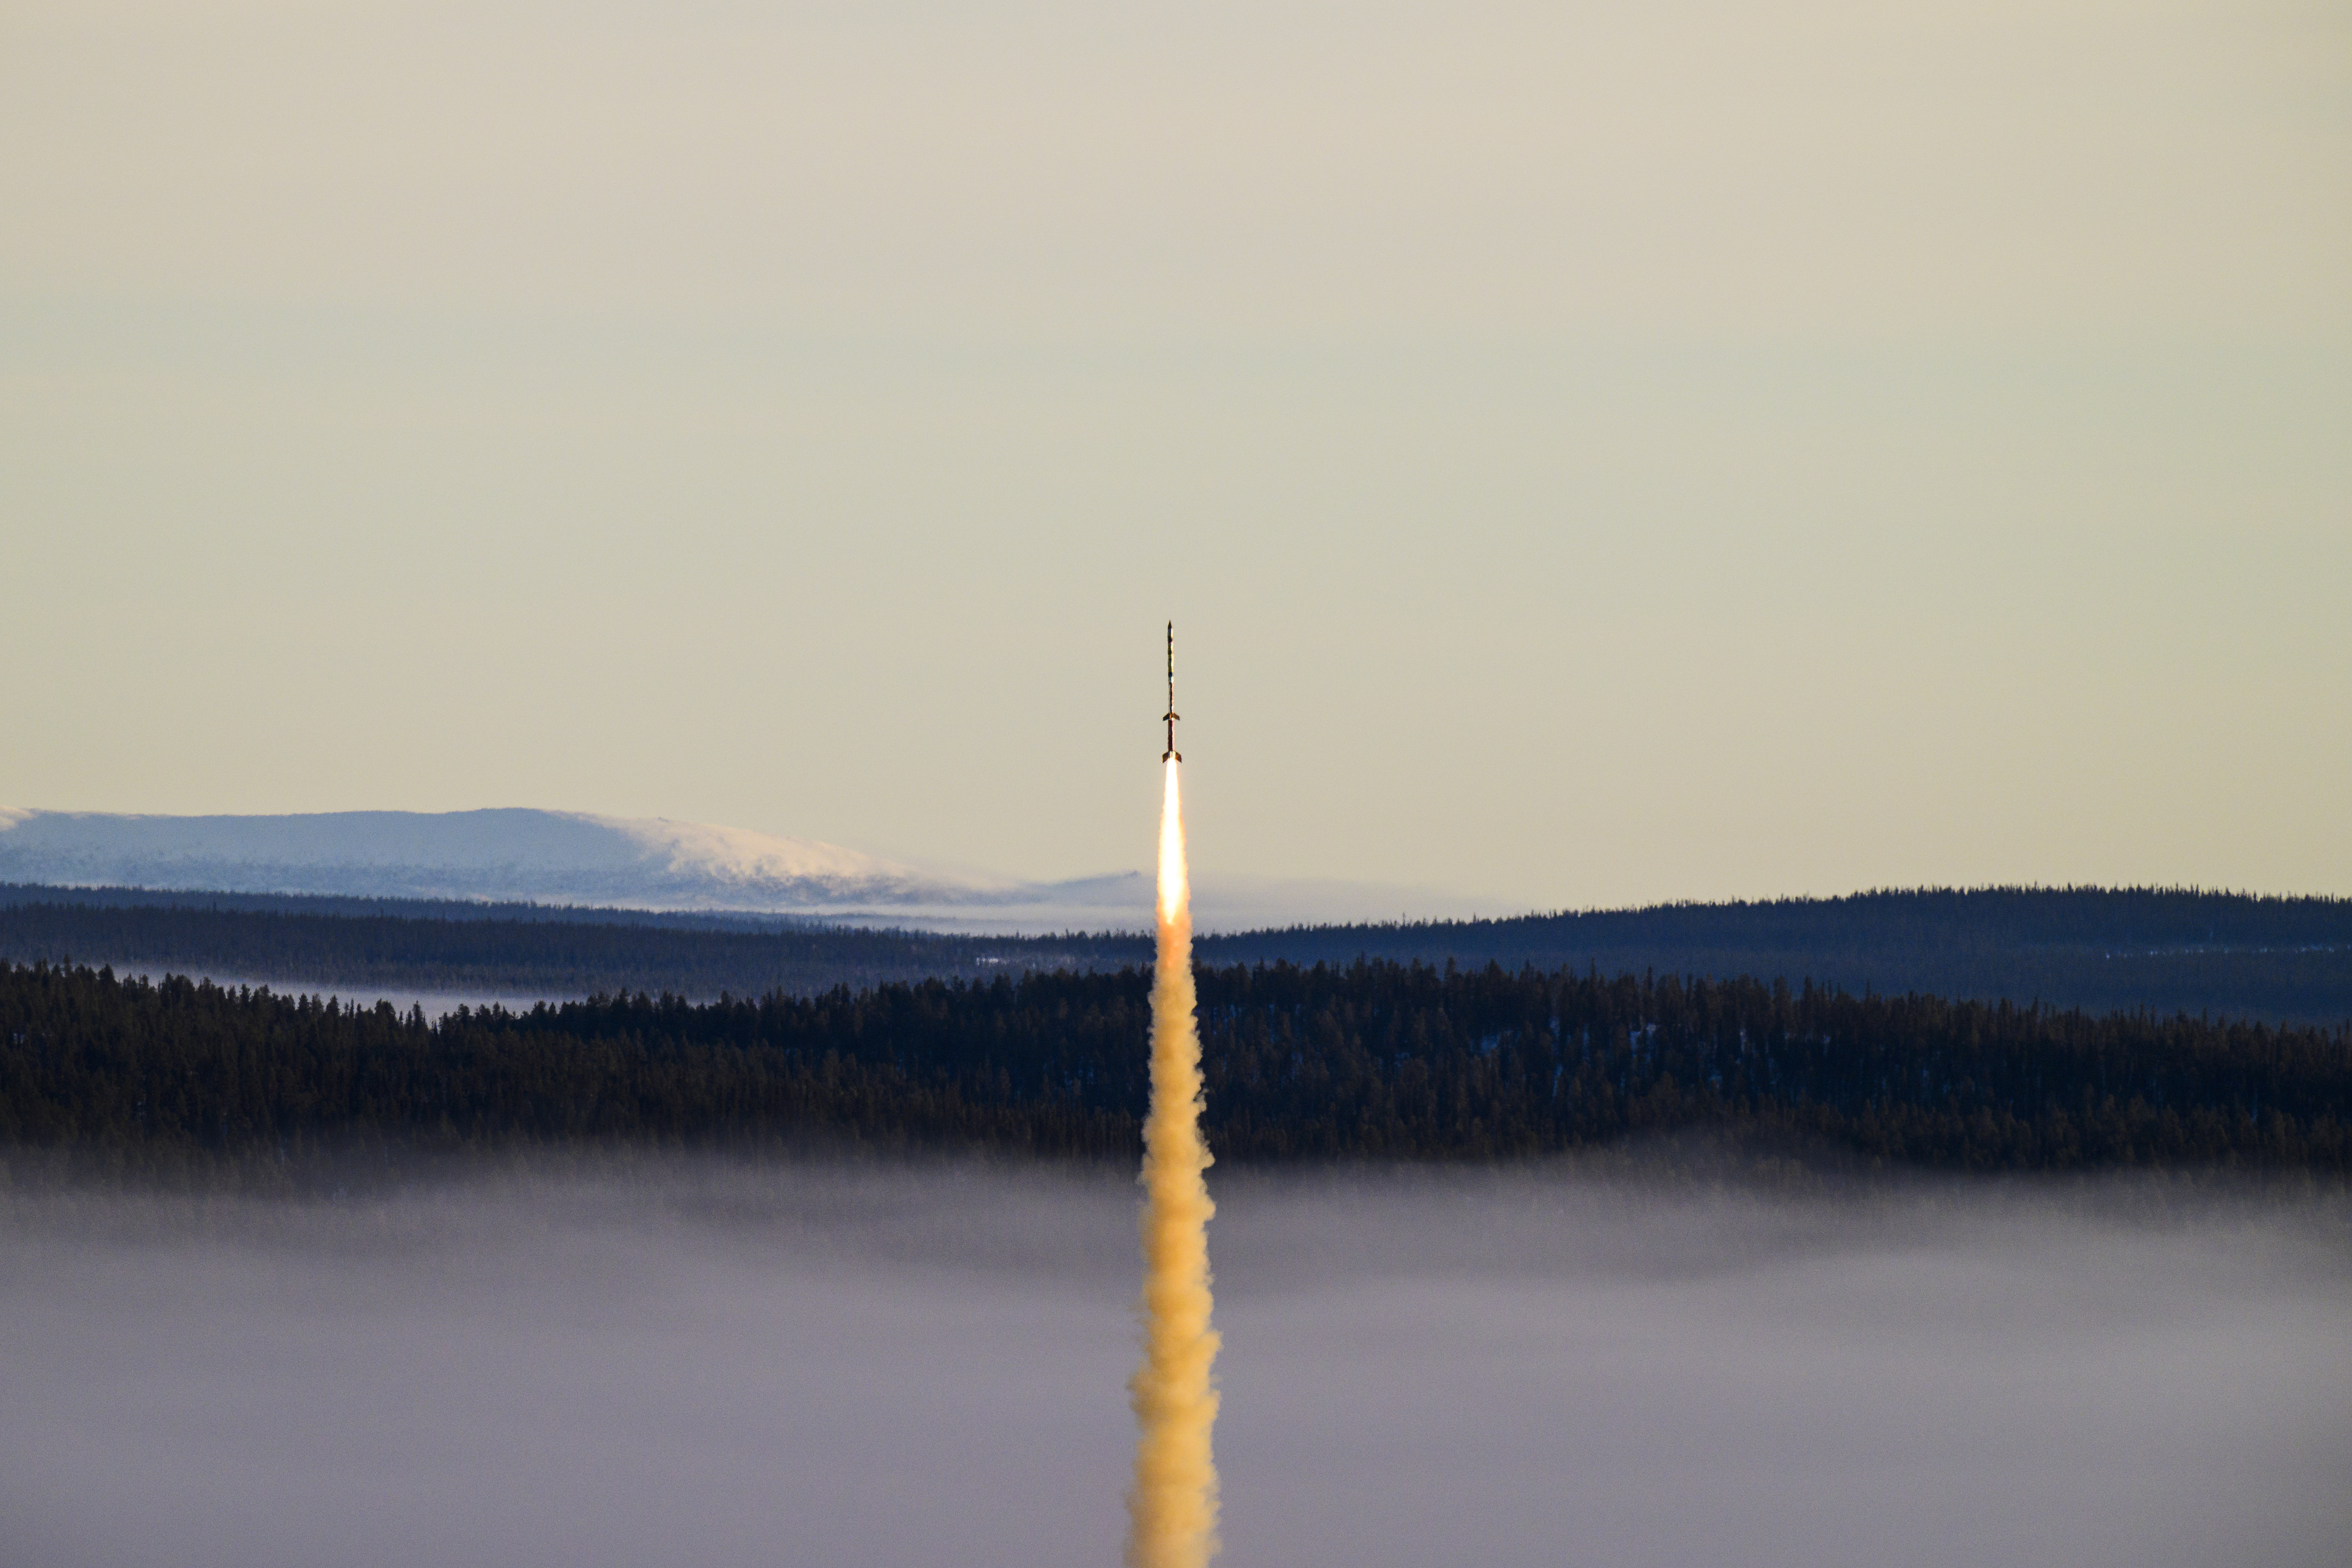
(1171, 754)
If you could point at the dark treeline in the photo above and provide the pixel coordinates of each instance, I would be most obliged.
(2284, 960)
(514, 950)
(2099, 949)
(1372, 1060)
(2014, 919)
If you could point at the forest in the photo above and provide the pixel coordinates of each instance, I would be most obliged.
(505, 948)
(2100, 949)
(1373, 1059)
(2285, 959)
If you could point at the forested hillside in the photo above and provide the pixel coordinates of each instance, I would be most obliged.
(511, 949)
(1374, 1059)
(2096, 948)
(2284, 960)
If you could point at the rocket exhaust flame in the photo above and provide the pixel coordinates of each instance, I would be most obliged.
(1172, 1507)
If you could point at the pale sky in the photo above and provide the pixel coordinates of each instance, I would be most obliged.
(1592, 453)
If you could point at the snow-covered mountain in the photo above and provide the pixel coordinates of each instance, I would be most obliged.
(576, 857)
(550, 857)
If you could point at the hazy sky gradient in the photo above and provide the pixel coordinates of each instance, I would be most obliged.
(1593, 453)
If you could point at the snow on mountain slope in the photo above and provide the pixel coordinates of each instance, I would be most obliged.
(552, 857)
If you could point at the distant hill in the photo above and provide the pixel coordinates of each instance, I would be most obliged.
(570, 860)
(2172, 950)
(554, 856)
(371, 947)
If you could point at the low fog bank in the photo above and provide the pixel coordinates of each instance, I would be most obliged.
(436, 1002)
(707, 1363)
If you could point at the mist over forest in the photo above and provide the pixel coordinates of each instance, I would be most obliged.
(1516, 1262)
(579, 1361)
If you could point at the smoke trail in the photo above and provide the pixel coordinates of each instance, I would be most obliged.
(1172, 1509)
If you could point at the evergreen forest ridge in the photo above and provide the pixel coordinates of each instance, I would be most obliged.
(2276, 959)
(112, 1078)
(2001, 1029)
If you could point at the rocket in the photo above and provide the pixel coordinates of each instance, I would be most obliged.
(1172, 754)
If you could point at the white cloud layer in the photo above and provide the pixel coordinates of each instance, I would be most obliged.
(717, 1366)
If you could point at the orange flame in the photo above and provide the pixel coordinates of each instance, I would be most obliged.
(1175, 886)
